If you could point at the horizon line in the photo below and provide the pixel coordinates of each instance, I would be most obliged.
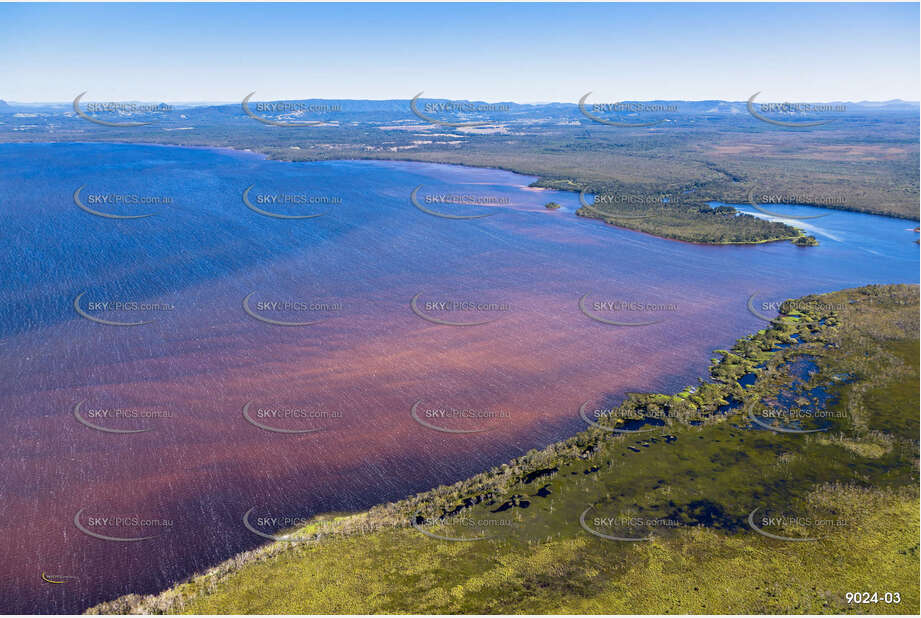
(237, 102)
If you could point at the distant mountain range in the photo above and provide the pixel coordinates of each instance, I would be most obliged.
(401, 105)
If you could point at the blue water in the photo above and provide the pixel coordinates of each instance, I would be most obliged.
(371, 252)
(850, 236)
(46, 242)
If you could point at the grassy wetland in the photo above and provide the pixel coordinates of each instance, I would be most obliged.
(780, 484)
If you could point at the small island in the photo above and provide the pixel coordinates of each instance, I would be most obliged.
(805, 241)
(690, 221)
(551, 205)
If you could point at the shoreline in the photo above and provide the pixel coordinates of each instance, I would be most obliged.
(153, 154)
(784, 337)
(693, 242)
(535, 184)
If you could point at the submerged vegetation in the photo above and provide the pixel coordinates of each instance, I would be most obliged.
(780, 484)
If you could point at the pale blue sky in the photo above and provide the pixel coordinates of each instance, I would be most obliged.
(520, 52)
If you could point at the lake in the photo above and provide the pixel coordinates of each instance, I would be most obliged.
(163, 376)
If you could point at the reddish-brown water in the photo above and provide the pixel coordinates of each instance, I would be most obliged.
(369, 360)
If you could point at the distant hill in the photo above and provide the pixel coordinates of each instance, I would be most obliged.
(12, 107)
(892, 105)
(713, 106)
